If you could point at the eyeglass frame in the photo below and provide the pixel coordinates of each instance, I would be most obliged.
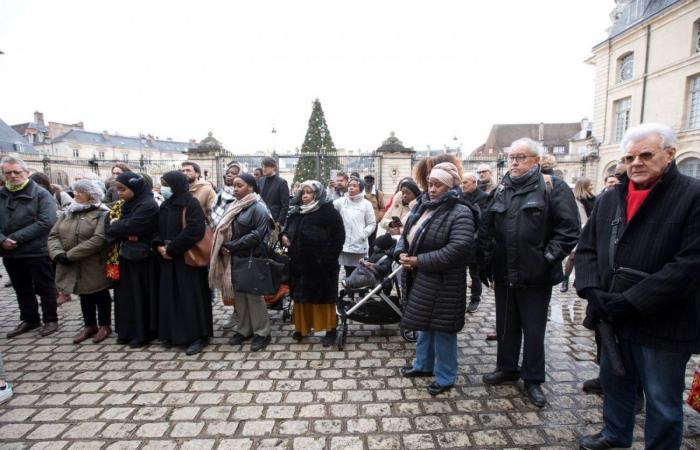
(643, 156)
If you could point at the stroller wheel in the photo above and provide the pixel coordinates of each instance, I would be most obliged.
(342, 334)
(408, 335)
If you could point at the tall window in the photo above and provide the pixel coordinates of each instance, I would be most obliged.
(696, 36)
(625, 67)
(636, 8)
(76, 153)
(622, 117)
(690, 167)
(559, 150)
(101, 155)
(694, 102)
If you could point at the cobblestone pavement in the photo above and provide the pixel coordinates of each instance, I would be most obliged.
(293, 395)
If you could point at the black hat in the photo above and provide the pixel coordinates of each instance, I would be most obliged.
(250, 181)
(369, 177)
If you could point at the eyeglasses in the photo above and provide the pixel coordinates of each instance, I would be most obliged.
(518, 158)
(13, 172)
(483, 171)
(643, 157)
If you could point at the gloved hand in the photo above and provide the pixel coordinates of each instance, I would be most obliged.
(62, 259)
(616, 305)
(595, 304)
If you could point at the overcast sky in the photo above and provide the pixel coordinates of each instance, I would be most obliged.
(428, 70)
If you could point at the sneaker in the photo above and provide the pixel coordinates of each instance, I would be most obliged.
(473, 306)
(6, 393)
(229, 324)
(260, 342)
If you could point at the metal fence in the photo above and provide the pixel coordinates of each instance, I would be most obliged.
(63, 172)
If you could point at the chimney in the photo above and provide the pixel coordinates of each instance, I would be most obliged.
(39, 117)
(105, 135)
(541, 132)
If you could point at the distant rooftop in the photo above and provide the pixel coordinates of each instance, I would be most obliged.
(632, 13)
(11, 141)
(126, 142)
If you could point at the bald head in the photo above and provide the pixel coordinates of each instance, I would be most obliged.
(468, 184)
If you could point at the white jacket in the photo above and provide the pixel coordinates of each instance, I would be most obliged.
(360, 223)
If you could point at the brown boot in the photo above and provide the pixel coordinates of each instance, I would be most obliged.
(102, 334)
(84, 334)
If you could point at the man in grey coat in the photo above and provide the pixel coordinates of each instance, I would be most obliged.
(27, 213)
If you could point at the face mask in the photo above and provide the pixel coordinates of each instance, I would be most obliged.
(166, 192)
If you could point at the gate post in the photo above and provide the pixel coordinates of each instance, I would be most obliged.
(395, 163)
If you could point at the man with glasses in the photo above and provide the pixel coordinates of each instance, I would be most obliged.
(486, 182)
(529, 227)
(637, 264)
(27, 213)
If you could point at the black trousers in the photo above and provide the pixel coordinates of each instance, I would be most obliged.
(522, 312)
(99, 302)
(31, 277)
(476, 282)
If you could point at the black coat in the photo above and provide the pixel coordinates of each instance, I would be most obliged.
(526, 231)
(184, 303)
(478, 198)
(26, 217)
(275, 193)
(662, 239)
(316, 242)
(250, 228)
(445, 245)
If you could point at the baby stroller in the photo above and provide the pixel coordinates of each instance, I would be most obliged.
(281, 300)
(374, 280)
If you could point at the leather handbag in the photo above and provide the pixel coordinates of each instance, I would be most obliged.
(257, 276)
(200, 253)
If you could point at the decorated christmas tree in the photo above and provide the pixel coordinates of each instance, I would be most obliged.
(318, 155)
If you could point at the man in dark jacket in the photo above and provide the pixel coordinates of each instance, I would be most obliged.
(637, 265)
(529, 227)
(274, 190)
(27, 213)
(479, 199)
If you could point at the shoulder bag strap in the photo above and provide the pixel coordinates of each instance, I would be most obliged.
(615, 227)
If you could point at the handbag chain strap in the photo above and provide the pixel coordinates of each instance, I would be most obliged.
(614, 239)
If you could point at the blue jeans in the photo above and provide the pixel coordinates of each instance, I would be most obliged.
(662, 377)
(436, 352)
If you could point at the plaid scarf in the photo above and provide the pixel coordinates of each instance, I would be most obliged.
(223, 200)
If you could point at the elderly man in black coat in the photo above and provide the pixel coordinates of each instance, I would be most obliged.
(529, 227)
(637, 265)
(479, 199)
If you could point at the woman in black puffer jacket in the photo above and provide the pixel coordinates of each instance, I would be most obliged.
(437, 244)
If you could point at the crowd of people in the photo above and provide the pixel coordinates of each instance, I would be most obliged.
(165, 250)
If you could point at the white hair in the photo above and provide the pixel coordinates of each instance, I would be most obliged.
(532, 145)
(643, 131)
(91, 188)
(483, 167)
(11, 160)
(470, 175)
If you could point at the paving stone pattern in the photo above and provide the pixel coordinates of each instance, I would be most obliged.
(292, 395)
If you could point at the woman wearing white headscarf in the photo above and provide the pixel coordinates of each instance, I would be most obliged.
(77, 245)
(437, 244)
(314, 235)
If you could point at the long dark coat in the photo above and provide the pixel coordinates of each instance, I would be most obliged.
(663, 240)
(316, 242)
(184, 303)
(135, 294)
(445, 245)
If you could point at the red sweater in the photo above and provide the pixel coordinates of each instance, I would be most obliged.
(635, 198)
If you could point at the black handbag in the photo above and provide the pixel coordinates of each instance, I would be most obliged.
(257, 276)
(134, 250)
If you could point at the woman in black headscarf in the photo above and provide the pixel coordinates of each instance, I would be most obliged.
(130, 225)
(184, 304)
(314, 235)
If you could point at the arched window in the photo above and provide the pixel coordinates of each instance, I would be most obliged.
(690, 167)
(625, 67)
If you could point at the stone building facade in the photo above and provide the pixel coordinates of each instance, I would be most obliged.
(648, 70)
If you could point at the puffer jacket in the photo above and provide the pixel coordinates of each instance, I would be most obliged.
(81, 236)
(445, 244)
(26, 217)
(527, 231)
(359, 222)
